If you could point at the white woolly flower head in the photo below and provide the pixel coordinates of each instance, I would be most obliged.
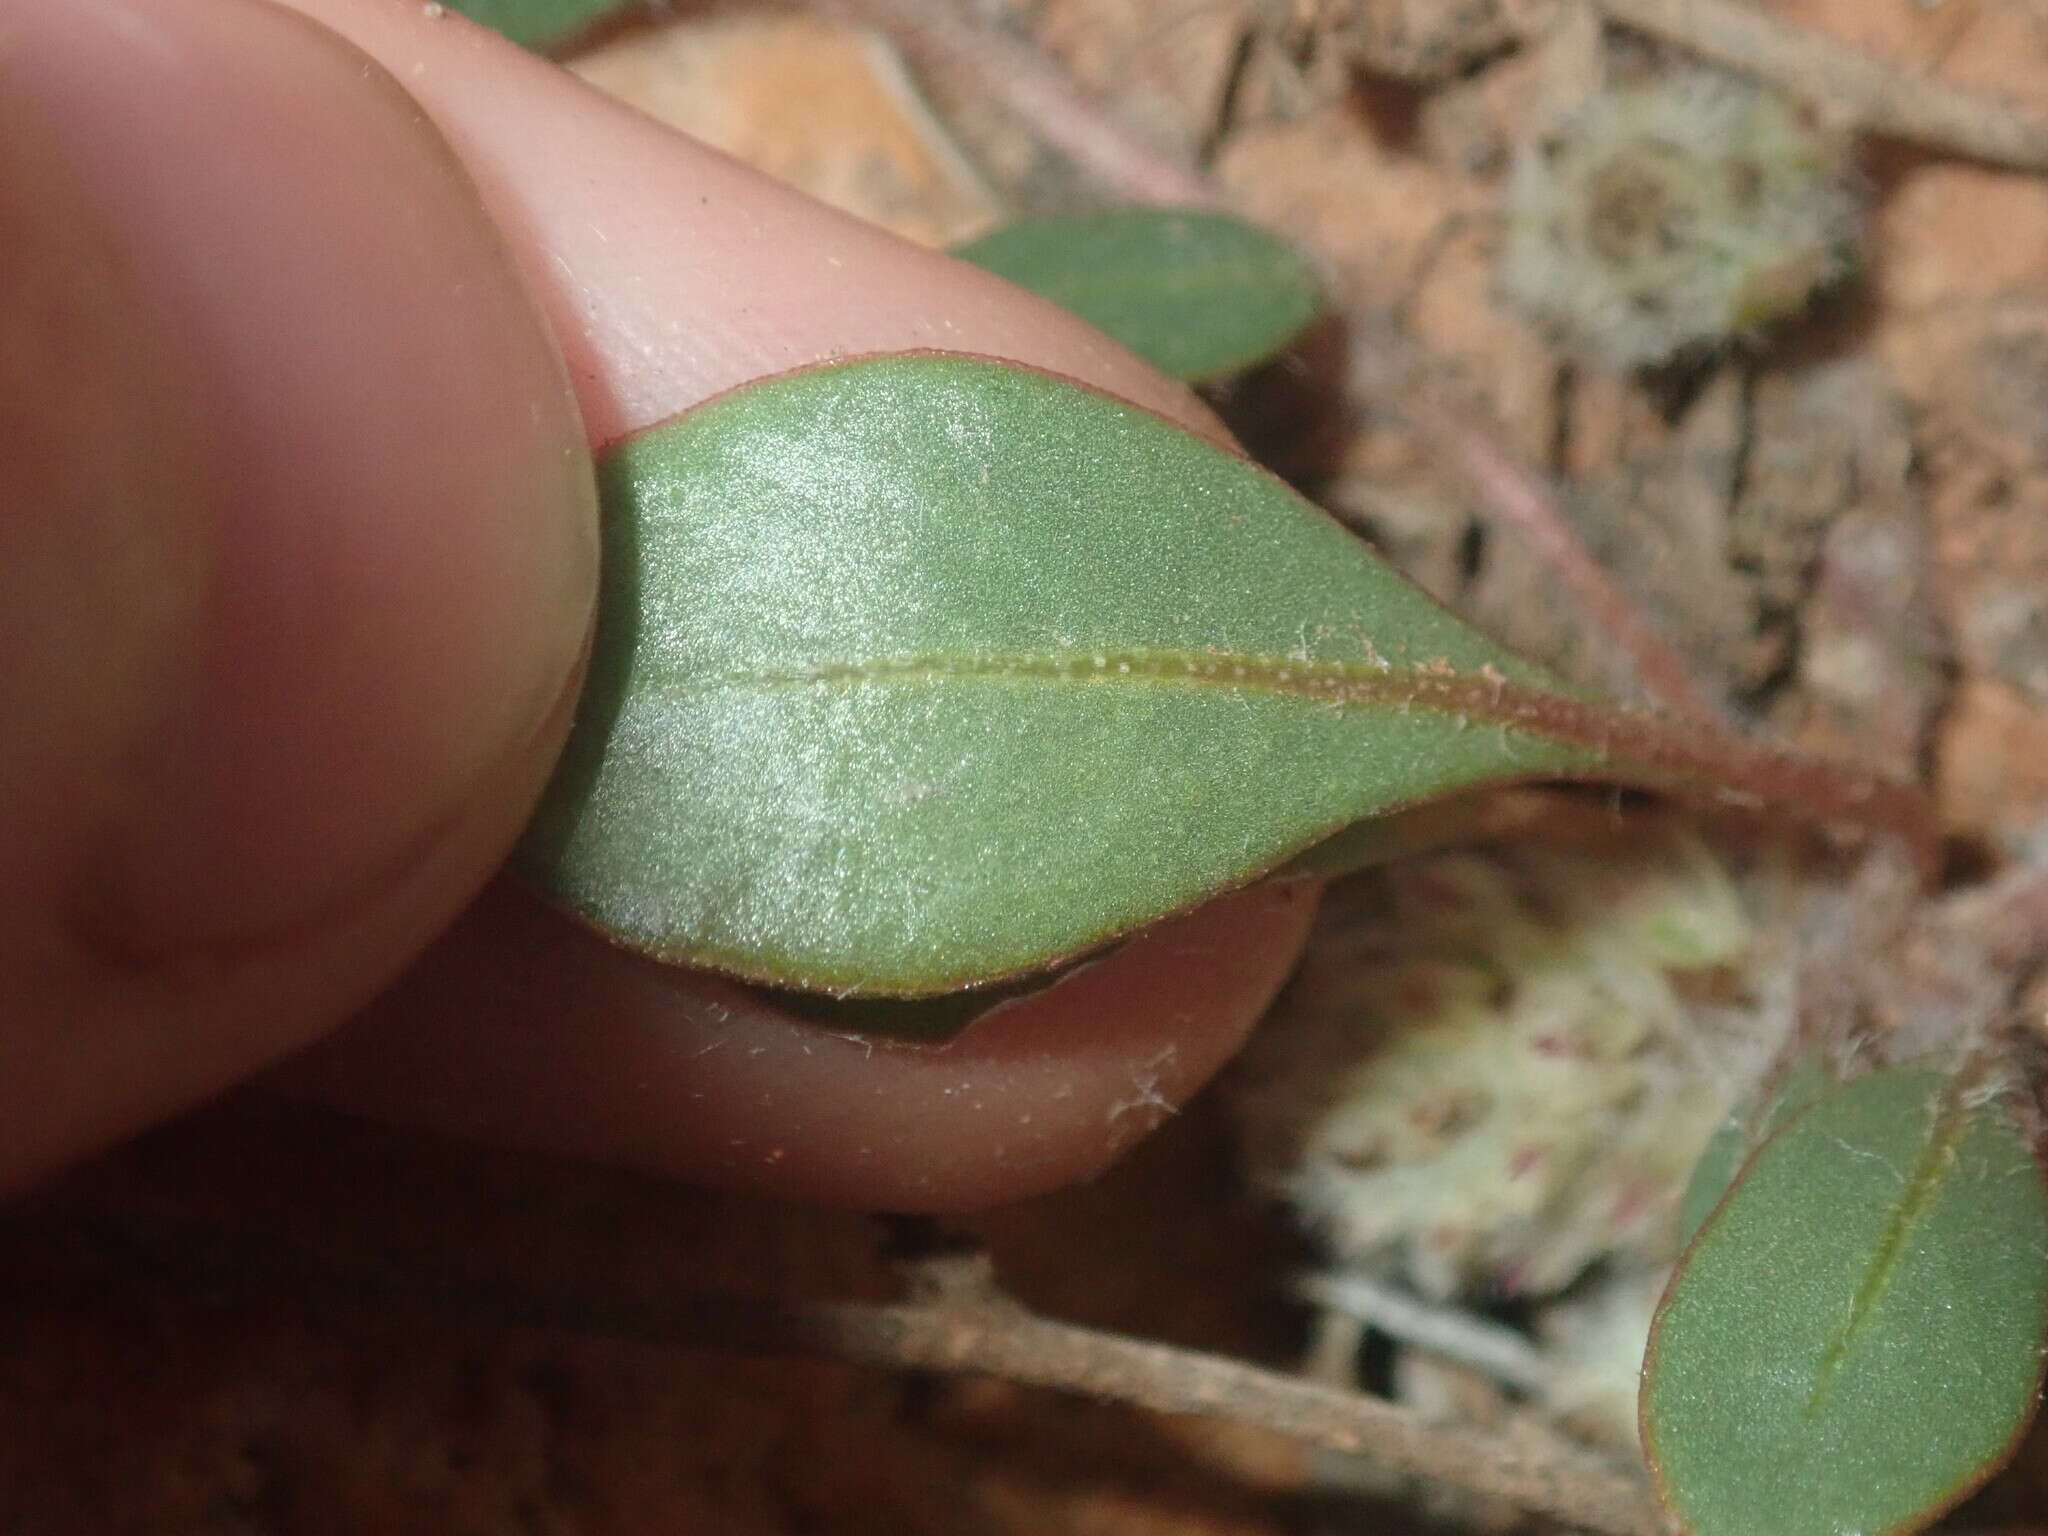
(1671, 215)
(1488, 1073)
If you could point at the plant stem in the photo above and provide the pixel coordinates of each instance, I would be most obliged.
(1876, 96)
(1020, 77)
(1492, 1349)
(1676, 756)
(1390, 370)
(1018, 1346)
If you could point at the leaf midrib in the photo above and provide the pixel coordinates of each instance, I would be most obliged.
(1619, 747)
(1908, 1211)
(1326, 681)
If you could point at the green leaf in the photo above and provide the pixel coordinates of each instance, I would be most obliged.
(1198, 295)
(1854, 1340)
(1804, 1081)
(920, 672)
(538, 23)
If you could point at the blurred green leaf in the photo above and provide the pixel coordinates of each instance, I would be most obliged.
(539, 24)
(920, 672)
(1198, 295)
(1854, 1340)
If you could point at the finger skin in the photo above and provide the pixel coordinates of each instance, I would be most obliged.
(686, 1074)
(297, 556)
(672, 274)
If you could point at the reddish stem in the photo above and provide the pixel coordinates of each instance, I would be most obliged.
(1677, 757)
(1519, 497)
(1038, 91)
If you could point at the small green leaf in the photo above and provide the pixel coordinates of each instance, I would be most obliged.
(538, 23)
(1854, 1340)
(920, 672)
(1198, 295)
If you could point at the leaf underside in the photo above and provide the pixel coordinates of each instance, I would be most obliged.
(538, 23)
(924, 671)
(1854, 1340)
(1792, 1090)
(1197, 294)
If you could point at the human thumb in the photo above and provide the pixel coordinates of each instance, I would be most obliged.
(297, 551)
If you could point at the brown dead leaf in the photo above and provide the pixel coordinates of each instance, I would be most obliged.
(824, 107)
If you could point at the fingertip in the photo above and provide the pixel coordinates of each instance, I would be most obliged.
(674, 273)
(403, 559)
(522, 1030)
